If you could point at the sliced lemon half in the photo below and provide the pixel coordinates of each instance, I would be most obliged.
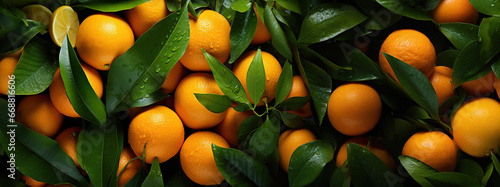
(38, 13)
(64, 21)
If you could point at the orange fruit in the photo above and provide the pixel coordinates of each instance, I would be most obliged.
(354, 109)
(58, 91)
(145, 15)
(435, 149)
(480, 87)
(475, 127)
(32, 182)
(193, 114)
(210, 32)
(261, 33)
(161, 129)
(197, 158)
(299, 89)
(39, 114)
(411, 47)
(441, 82)
(449, 11)
(376, 147)
(102, 38)
(64, 21)
(7, 66)
(67, 139)
(291, 140)
(132, 168)
(173, 78)
(272, 69)
(228, 128)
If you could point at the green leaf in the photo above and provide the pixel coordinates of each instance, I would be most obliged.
(494, 159)
(224, 8)
(213, 102)
(489, 33)
(135, 77)
(452, 179)
(293, 103)
(284, 84)
(417, 169)
(109, 5)
(379, 17)
(327, 21)
(278, 37)
(154, 177)
(487, 174)
(307, 162)
(467, 66)
(35, 70)
(488, 7)
(173, 5)
(292, 120)
(471, 168)
(447, 58)
(416, 85)
(241, 5)
(264, 140)
(138, 178)
(396, 132)
(292, 5)
(180, 179)
(239, 169)
(80, 93)
(247, 126)
(256, 78)
(460, 34)
(341, 177)
(242, 31)
(363, 68)
(15, 33)
(320, 87)
(405, 8)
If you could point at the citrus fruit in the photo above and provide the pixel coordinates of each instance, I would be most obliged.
(145, 15)
(32, 182)
(160, 129)
(261, 35)
(39, 114)
(354, 108)
(58, 91)
(480, 87)
(210, 32)
(228, 128)
(38, 13)
(475, 127)
(7, 66)
(132, 168)
(67, 139)
(64, 21)
(197, 158)
(435, 149)
(441, 82)
(102, 38)
(375, 146)
(291, 140)
(448, 11)
(173, 78)
(299, 89)
(411, 47)
(272, 69)
(193, 114)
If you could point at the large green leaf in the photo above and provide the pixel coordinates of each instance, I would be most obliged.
(247, 126)
(213, 102)
(467, 66)
(489, 32)
(278, 37)
(138, 178)
(307, 162)
(154, 177)
(488, 7)
(135, 77)
(284, 84)
(452, 179)
(417, 169)
(109, 5)
(35, 70)
(379, 17)
(406, 8)
(264, 140)
(471, 168)
(460, 34)
(320, 86)
(242, 31)
(241, 5)
(256, 78)
(292, 5)
(16, 32)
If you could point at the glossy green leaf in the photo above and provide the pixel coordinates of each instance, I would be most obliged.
(292, 120)
(417, 169)
(109, 5)
(173, 5)
(240, 169)
(80, 93)
(395, 133)
(292, 5)
(460, 34)
(278, 37)
(264, 140)
(489, 32)
(494, 159)
(154, 177)
(488, 7)
(447, 58)
(327, 21)
(138, 178)
(467, 66)
(379, 17)
(35, 70)
(15, 33)
(307, 162)
(471, 168)
(224, 8)
(247, 126)
(405, 8)
(241, 5)
(487, 173)
(452, 179)
(362, 67)
(213, 102)
(293, 103)
(284, 84)
(341, 177)
(135, 77)
(242, 31)
(320, 87)
(256, 78)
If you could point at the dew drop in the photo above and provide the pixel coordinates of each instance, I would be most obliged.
(157, 70)
(229, 17)
(141, 87)
(177, 13)
(147, 96)
(170, 55)
(174, 49)
(183, 33)
(146, 80)
(166, 36)
(162, 43)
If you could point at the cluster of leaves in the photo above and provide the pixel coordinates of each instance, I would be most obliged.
(312, 38)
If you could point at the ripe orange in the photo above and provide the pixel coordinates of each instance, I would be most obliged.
(58, 91)
(272, 69)
(261, 33)
(197, 158)
(480, 87)
(7, 66)
(299, 89)
(354, 109)
(161, 129)
(173, 78)
(102, 38)
(39, 114)
(441, 82)
(193, 114)
(32, 182)
(228, 128)
(411, 47)
(448, 11)
(376, 147)
(475, 127)
(145, 15)
(210, 32)
(435, 148)
(67, 139)
(131, 169)
(291, 140)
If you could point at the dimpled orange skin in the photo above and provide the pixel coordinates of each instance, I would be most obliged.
(32, 182)
(411, 47)
(272, 69)
(449, 11)
(299, 89)
(228, 128)
(39, 114)
(67, 139)
(354, 109)
(441, 82)
(376, 147)
(210, 32)
(475, 127)
(173, 78)
(132, 168)
(145, 15)
(102, 38)
(480, 87)
(261, 35)
(435, 149)
(291, 140)
(193, 114)
(7, 66)
(161, 129)
(197, 159)
(58, 94)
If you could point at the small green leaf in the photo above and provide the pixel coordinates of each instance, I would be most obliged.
(467, 66)
(154, 177)
(417, 169)
(460, 34)
(307, 162)
(213, 102)
(242, 31)
(247, 126)
(405, 8)
(284, 84)
(15, 33)
(241, 5)
(487, 174)
(109, 5)
(489, 32)
(488, 7)
(264, 140)
(292, 5)
(278, 37)
(494, 159)
(256, 78)
(173, 5)
(320, 87)
(471, 168)
(451, 179)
